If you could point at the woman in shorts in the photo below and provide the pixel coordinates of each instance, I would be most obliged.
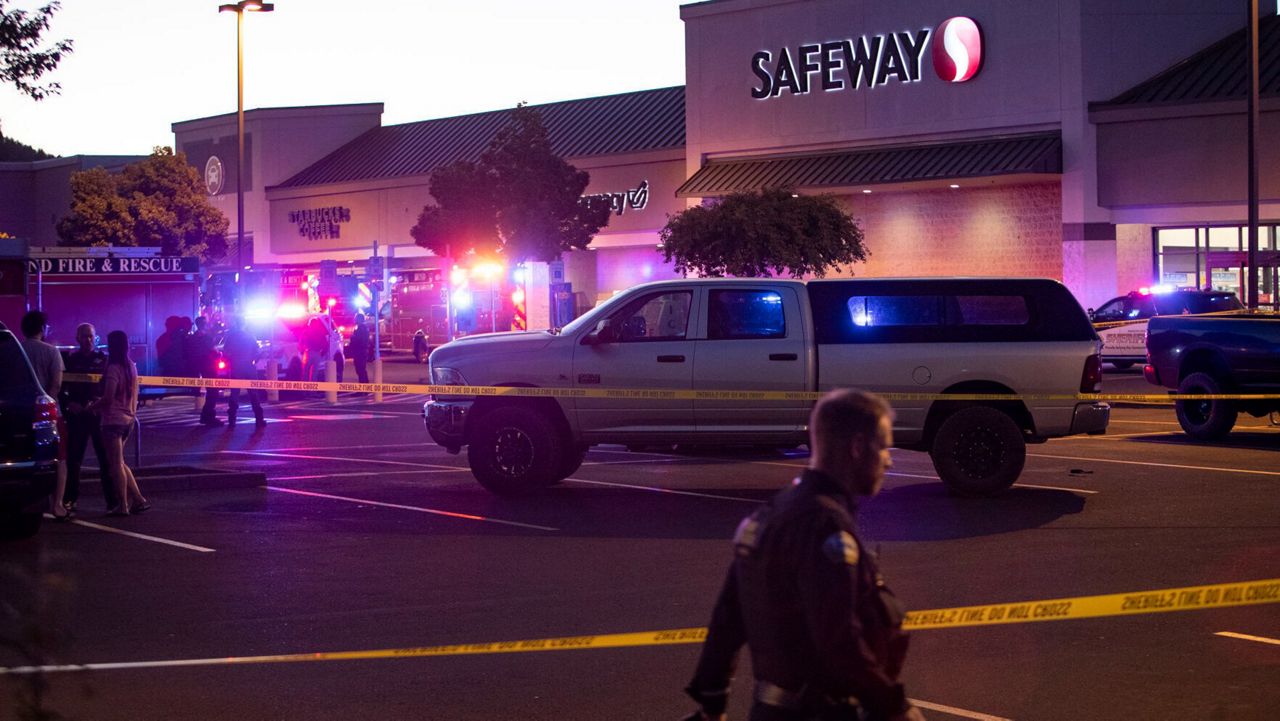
(118, 407)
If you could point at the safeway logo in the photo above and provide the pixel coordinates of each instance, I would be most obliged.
(870, 61)
(958, 56)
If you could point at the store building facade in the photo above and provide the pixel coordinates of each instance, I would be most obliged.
(1075, 139)
(980, 138)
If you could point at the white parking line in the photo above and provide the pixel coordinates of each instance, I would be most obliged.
(662, 490)
(1054, 488)
(402, 507)
(140, 536)
(1157, 465)
(368, 473)
(956, 711)
(1247, 637)
(339, 458)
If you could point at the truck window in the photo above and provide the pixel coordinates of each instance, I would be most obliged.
(17, 384)
(1112, 310)
(739, 314)
(988, 310)
(662, 316)
(882, 311)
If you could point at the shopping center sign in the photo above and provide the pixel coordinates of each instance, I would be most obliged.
(869, 60)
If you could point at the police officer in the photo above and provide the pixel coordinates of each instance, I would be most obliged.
(804, 593)
(241, 351)
(83, 426)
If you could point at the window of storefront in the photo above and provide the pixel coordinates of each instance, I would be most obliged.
(1216, 257)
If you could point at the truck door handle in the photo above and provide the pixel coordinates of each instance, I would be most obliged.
(670, 359)
(783, 356)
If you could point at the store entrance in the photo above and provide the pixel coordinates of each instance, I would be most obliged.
(1216, 258)
(1230, 271)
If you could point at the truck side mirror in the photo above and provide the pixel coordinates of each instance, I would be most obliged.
(606, 332)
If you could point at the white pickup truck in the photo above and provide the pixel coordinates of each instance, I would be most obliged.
(940, 336)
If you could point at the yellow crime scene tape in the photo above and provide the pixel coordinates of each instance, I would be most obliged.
(1192, 598)
(1104, 325)
(650, 394)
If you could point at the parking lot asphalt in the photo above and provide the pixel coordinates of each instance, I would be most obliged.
(366, 536)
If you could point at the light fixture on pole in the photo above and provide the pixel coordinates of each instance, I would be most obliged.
(240, 9)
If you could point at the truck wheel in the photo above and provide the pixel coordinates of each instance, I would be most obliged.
(515, 450)
(571, 461)
(15, 525)
(1204, 420)
(978, 451)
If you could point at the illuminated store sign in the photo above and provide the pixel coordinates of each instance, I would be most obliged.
(320, 223)
(869, 60)
(636, 198)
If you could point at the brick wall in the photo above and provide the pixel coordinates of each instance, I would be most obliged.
(1133, 257)
(1007, 230)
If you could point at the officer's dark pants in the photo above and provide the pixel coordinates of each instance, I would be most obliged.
(82, 428)
(233, 403)
(361, 370)
(211, 396)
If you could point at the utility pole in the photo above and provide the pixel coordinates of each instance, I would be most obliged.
(1253, 112)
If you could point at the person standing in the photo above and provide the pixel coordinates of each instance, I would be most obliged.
(83, 426)
(804, 594)
(118, 408)
(359, 348)
(241, 351)
(46, 361)
(202, 358)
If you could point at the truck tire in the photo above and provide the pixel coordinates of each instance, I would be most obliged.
(14, 524)
(978, 451)
(514, 450)
(571, 461)
(1204, 420)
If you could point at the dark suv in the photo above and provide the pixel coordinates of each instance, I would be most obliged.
(28, 442)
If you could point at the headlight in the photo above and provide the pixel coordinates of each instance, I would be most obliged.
(446, 377)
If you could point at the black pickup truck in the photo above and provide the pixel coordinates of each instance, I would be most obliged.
(28, 442)
(1209, 355)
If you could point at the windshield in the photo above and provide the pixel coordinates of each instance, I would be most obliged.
(593, 316)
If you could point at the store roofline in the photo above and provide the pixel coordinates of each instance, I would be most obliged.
(280, 111)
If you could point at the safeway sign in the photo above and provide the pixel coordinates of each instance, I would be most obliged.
(869, 60)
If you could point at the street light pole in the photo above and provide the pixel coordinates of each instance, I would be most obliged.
(240, 9)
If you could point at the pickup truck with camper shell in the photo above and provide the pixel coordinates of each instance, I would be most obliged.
(1238, 354)
(924, 336)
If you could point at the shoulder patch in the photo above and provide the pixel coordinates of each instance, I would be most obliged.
(841, 548)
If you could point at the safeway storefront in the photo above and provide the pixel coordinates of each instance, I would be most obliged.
(1086, 141)
(976, 138)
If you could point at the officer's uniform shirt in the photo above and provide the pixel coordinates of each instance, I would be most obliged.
(808, 600)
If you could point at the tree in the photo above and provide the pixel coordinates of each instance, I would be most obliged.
(772, 232)
(520, 200)
(22, 61)
(14, 151)
(159, 201)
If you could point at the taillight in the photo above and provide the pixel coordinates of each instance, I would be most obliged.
(1091, 378)
(46, 412)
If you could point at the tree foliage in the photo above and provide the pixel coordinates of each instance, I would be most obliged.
(768, 233)
(159, 201)
(22, 59)
(14, 151)
(520, 201)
